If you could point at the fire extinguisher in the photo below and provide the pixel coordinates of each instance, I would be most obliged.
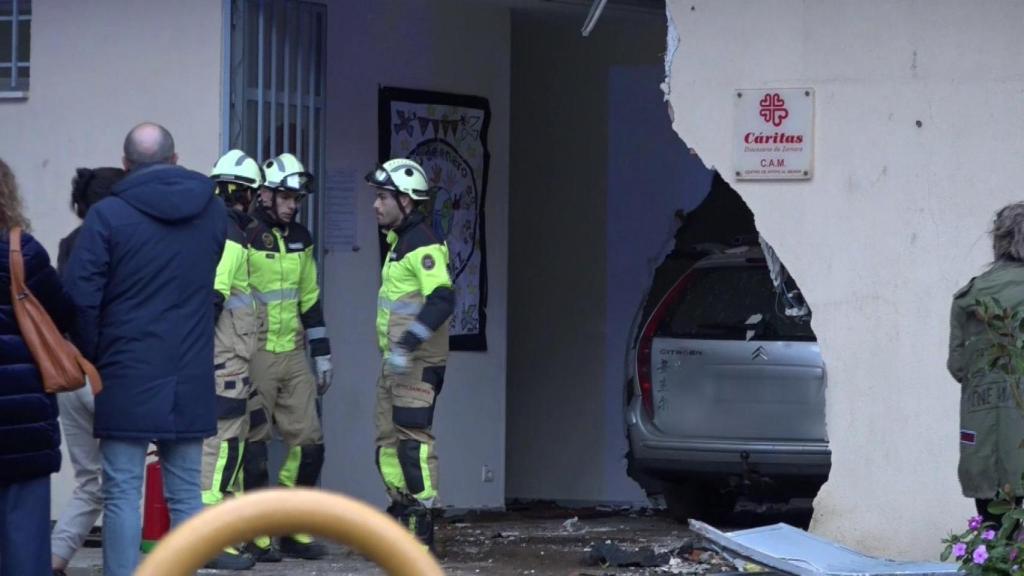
(156, 518)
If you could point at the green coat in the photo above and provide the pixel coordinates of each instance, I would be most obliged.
(991, 424)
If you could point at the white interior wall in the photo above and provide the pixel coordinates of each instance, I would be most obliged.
(893, 222)
(565, 439)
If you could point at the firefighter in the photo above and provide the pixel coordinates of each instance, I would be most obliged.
(414, 307)
(283, 278)
(238, 177)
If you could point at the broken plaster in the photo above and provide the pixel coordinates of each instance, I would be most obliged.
(671, 46)
(673, 41)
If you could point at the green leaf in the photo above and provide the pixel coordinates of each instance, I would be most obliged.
(999, 507)
(946, 553)
(1005, 531)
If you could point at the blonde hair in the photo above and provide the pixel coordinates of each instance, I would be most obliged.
(11, 212)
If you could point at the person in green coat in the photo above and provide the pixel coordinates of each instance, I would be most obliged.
(991, 423)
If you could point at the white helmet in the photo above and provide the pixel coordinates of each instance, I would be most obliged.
(285, 172)
(237, 167)
(401, 175)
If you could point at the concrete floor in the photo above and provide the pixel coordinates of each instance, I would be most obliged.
(506, 544)
(535, 541)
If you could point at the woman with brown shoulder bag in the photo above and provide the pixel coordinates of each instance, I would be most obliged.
(29, 434)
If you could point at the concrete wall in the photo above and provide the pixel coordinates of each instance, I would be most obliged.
(99, 68)
(448, 46)
(564, 413)
(892, 223)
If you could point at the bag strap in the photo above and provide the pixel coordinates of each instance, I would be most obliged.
(16, 264)
(92, 376)
(19, 291)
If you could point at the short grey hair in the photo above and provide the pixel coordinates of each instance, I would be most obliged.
(1008, 233)
(148, 143)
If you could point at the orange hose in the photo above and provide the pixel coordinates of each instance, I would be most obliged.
(281, 511)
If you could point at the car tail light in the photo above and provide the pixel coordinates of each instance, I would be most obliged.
(643, 359)
(646, 343)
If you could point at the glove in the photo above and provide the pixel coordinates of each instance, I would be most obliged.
(398, 362)
(324, 373)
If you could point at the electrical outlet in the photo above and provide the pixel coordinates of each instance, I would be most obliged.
(486, 474)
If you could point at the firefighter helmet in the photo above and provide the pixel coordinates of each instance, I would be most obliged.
(401, 175)
(285, 172)
(237, 167)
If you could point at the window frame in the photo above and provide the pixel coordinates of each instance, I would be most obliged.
(17, 87)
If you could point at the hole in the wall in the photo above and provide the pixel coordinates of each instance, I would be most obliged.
(728, 381)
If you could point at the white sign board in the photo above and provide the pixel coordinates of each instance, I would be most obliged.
(340, 207)
(774, 134)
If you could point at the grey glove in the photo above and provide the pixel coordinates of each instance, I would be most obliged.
(398, 362)
(324, 373)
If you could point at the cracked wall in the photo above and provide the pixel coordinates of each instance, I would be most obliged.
(918, 123)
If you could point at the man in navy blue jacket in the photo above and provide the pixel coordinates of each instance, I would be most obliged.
(140, 278)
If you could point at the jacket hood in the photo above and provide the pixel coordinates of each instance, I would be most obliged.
(165, 192)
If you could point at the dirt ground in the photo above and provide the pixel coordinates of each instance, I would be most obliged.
(522, 544)
(532, 541)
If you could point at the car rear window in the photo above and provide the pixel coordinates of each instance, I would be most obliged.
(718, 302)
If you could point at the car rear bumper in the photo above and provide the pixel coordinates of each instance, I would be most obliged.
(660, 455)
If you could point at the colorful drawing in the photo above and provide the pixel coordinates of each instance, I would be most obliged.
(447, 135)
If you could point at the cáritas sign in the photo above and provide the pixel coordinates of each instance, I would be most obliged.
(774, 134)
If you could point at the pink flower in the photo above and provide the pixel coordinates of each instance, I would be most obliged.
(1013, 554)
(975, 523)
(980, 554)
(989, 535)
(959, 550)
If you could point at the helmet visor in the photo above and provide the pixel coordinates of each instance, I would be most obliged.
(297, 182)
(236, 178)
(227, 187)
(381, 178)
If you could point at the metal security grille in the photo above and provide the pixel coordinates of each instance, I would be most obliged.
(15, 41)
(276, 73)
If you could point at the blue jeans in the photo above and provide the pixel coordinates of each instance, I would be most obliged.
(25, 528)
(123, 464)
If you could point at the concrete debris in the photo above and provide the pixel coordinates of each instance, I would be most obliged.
(527, 543)
(608, 554)
(678, 566)
(573, 525)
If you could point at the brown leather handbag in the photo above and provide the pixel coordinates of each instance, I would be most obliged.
(61, 365)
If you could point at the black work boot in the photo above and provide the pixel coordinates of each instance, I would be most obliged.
(398, 511)
(421, 524)
(262, 550)
(231, 559)
(302, 546)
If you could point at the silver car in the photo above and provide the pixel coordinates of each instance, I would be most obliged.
(727, 392)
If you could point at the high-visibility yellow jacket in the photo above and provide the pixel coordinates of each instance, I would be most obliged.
(416, 298)
(283, 278)
(234, 335)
